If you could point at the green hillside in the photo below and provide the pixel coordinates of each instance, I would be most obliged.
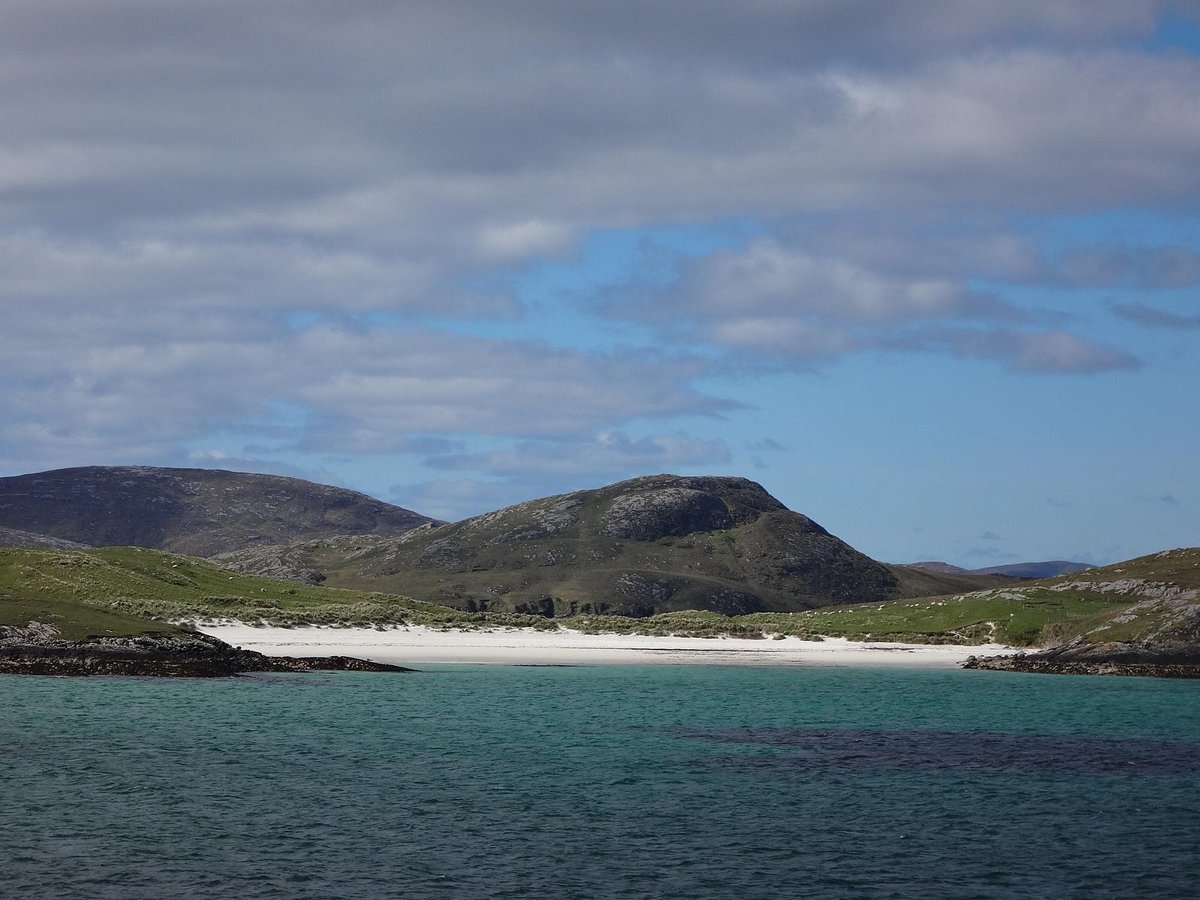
(131, 590)
(1149, 600)
(125, 590)
(662, 543)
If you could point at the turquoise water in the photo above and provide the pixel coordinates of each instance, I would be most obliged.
(608, 781)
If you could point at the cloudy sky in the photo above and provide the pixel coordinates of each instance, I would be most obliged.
(929, 272)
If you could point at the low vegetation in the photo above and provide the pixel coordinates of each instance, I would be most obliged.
(127, 590)
(131, 590)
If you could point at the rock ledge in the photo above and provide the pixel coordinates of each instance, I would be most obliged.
(1159, 661)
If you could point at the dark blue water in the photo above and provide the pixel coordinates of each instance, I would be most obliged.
(612, 781)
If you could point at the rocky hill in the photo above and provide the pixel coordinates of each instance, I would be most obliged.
(639, 547)
(200, 512)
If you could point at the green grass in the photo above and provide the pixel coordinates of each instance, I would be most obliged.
(126, 590)
(1019, 620)
(77, 622)
(123, 589)
(1015, 617)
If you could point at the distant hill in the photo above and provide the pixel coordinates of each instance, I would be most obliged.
(1047, 569)
(934, 566)
(648, 545)
(200, 512)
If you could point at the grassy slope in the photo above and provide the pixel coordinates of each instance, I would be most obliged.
(121, 590)
(1149, 599)
(557, 554)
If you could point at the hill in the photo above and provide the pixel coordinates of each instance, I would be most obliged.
(124, 591)
(104, 612)
(1137, 617)
(1045, 569)
(1141, 611)
(635, 548)
(200, 512)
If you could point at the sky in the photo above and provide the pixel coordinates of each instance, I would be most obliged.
(928, 272)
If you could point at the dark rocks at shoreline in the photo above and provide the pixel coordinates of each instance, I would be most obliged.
(1157, 661)
(190, 655)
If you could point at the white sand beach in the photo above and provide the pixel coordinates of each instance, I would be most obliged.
(413, 645)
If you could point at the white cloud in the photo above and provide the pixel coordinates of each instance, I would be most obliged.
(610, 453)
(520, 240)
(769, 278)
(363, 390)
(179, 181)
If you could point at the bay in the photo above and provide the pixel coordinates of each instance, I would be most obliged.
(606, 781)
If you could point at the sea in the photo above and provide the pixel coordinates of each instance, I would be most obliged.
(604, 781)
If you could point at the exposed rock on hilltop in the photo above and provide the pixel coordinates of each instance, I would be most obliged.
(200, 512)
(652, 544)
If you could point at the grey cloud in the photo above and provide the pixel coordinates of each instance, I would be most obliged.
(768, 279)
(1155, 318)
(770, 302)
(175, 179)
(383, 384)
(1151, 268)
(420, 126)
(1037, 352)
(199, 275)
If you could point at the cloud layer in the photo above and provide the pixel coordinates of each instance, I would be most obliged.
(302, 221)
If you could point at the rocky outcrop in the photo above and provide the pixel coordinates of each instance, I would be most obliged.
(666, 512)
(1166, 660)
(36, 649)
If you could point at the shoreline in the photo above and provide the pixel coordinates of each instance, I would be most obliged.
(416, 644)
